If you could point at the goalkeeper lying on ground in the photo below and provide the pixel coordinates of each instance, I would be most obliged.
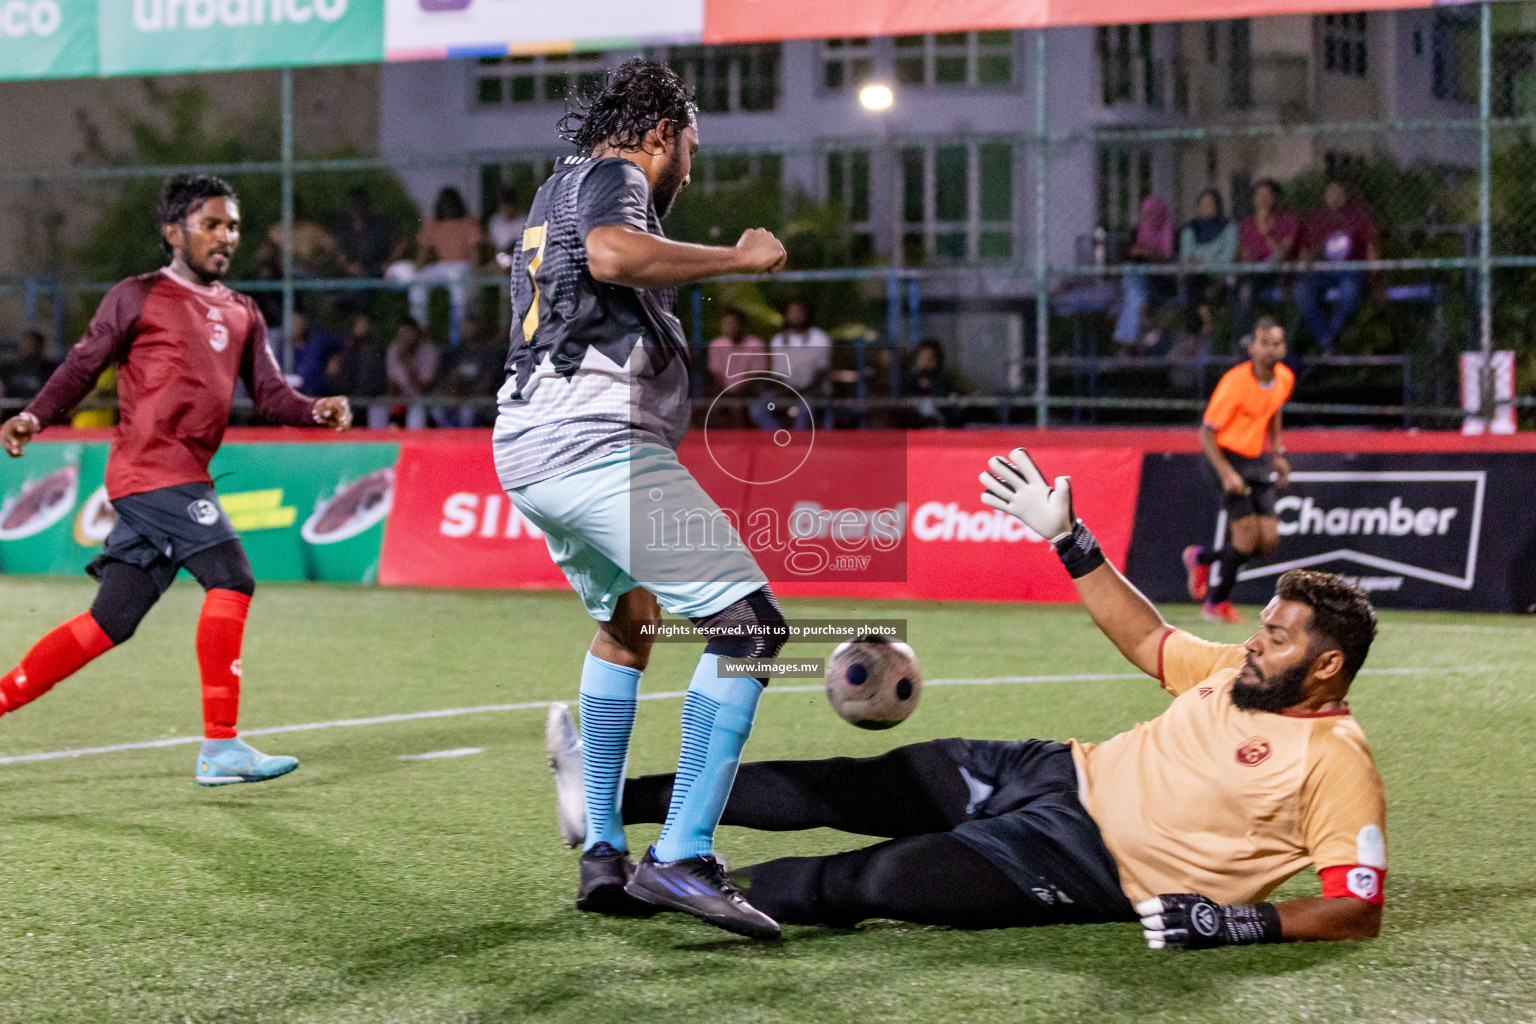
(1188, 821)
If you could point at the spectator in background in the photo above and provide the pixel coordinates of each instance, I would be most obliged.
(505, 226)
(1342, 230)
(447, 251)
(802, 354)
(24, 375)
(411, 364)
(358, 370)
(474, 370)
(314, 250)
(313, 346)
(929, 381)
(1153, 244)
(1209, 240)
(1268, 236)
(367, 242)
(735, 352)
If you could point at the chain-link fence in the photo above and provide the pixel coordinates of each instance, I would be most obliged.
(1363, 180)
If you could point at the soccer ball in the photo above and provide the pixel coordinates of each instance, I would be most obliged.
(873, 682)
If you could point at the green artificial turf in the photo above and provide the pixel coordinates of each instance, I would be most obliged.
(367, 888)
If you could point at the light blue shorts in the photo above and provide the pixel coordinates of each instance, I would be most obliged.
(637, 518)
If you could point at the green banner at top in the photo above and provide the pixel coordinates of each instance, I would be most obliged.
(47, 39)
(143, 37)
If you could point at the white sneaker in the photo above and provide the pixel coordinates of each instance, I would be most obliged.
(563, 745)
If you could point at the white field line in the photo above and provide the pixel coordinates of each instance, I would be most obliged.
(440, 754)
(416, 716)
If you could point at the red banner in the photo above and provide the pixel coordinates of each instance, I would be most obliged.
(453, 527)
(744, 21)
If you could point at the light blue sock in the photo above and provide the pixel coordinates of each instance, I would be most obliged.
(717, 718)
(609, 696)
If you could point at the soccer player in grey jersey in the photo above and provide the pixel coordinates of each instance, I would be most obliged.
(595, 404)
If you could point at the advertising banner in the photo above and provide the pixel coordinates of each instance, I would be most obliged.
(453, 526)
(46, 525)
(144, 37)
(744, 21)
(435, 29)
(1448, 531)
(303, 511)
(47, 39)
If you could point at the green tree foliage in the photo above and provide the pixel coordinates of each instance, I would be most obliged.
(125, 239)
(813, 234)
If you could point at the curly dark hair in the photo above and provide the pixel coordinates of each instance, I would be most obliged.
(184, 193)
(635, 97)
(1342, 616)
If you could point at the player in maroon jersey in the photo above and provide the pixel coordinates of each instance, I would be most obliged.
(180, 339)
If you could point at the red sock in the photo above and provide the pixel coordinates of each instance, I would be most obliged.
(220, 630)
(55, 657)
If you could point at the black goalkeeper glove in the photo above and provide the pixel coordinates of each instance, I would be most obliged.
(1186, 920)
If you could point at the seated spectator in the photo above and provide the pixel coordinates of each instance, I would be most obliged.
(447, 251)
(929, 381)
(313, 346)
(732, 354)
(1153, 244)
(24, 375)
(358, 370)
(802, 355)
(367, 242)
(1342, 230)
(735, 352)
(505, 226)
(314, 250)
(1209, 240)
(411, 364)
(476, 369)
(1268, 236)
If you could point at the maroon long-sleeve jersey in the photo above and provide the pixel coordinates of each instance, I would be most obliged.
(179, 348)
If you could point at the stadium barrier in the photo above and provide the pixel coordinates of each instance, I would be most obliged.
(1429, 520)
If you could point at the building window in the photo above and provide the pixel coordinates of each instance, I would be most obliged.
(1239, 64)
(848, 193)
(846, 63)
(714, 173)
(547, 78)
(1344, 51)
(1125, 179)
(730, 79)
(1454, 58)
(957, 202)
(1128, 73)
(955, 58)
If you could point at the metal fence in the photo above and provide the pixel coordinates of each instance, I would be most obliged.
(1454, 269)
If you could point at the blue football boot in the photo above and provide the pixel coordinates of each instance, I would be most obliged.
(224, 762)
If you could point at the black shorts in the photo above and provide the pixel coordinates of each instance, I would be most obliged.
(159, 530)
(1025, 817)
(1259, 474)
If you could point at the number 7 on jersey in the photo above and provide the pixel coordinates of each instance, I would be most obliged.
(534, 238)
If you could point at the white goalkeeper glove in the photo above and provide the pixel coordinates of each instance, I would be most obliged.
(1015, 485)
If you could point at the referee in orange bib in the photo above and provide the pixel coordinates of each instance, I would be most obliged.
(1244, 414)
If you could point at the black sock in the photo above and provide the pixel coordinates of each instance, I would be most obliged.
(1231, 561)
(1206, 555)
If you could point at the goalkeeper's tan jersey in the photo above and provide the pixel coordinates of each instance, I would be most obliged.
(1211, 799)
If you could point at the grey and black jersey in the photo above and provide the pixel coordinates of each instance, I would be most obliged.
(593, 367)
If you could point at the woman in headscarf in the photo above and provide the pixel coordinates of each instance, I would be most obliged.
(1208, 240)
(1154, 244)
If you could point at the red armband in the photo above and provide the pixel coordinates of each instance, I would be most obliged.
(1356, 880)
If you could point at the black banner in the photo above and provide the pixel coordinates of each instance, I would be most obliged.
(1447, 531)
